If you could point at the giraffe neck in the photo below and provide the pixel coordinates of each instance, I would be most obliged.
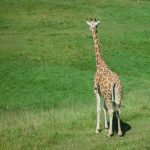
(97, 49)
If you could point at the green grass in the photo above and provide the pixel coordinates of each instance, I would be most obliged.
(47, 67)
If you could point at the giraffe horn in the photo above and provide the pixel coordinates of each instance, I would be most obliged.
(97, 22)
(88, 23)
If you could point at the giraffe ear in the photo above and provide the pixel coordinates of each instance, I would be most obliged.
(97, 22)
(88, 23)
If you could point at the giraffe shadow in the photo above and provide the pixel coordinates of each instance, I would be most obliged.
(125, 127)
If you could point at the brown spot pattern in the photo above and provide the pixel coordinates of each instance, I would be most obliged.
(105, 79)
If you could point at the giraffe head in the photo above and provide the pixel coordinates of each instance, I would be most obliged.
(93, 24)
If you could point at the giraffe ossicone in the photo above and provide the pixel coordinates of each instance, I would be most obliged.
(106, 84)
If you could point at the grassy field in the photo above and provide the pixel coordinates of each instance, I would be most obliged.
(47, 67)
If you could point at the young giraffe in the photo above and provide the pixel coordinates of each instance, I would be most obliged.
(106, 84)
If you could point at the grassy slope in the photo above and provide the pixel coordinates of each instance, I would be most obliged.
(47, 67)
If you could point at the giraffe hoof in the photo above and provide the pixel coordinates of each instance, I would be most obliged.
(120, 134)
(109, 135)
(98, 131)
(106, 128)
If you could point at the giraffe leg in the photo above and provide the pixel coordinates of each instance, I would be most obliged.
(117, 104)
(110, 133)
(98, 111)
(108, 103)
(119, 126)
(105, 116)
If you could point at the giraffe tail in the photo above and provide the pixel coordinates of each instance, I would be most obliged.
(116, 98)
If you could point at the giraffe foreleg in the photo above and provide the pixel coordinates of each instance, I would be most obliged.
(98, 110)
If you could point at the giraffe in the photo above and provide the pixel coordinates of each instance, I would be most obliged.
(107, 85)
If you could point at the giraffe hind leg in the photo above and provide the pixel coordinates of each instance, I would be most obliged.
(111, 112)
(119, 125)
(110, 133)
(117, 105)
